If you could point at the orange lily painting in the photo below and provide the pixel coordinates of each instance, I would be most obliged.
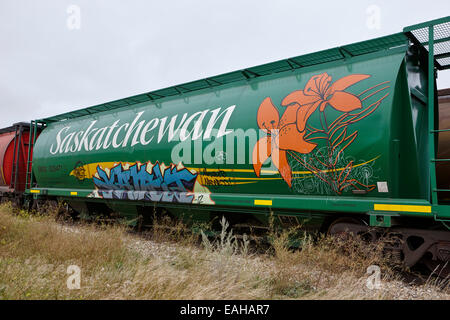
(292, 141)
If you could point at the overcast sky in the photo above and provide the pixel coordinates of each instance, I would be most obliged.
(57, 56)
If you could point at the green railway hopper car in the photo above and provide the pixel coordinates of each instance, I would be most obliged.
(343, 140)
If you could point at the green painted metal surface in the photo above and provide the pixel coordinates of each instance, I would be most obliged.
(433, 37)
(344, 130)
(341, 152)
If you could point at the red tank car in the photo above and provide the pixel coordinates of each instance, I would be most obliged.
(14, 145)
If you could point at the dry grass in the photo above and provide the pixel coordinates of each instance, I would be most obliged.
(35, 252)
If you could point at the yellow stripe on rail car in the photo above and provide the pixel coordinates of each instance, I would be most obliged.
(35, 191)
(263, 202)
(401, 207)
(74, 193)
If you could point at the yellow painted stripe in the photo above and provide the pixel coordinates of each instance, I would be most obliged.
(73, 193)
(91, 169)
(236, 183)
(276, 171)
(401, 207)
(35, 191)
(263, 202)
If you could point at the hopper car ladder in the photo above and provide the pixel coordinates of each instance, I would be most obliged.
(434, 36)
(19, 149)
(29, 179)
(16, 156)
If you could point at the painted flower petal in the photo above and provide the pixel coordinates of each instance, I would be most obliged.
(279, 160)
(345, 82)
(290, 115)
(261, 152)
(312, 87)
(300, 98)
(304, 113)
(291, 139)
(268, 117)
(324, 83)
(344, 101)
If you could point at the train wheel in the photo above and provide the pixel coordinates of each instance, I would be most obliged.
(347, 228)
(17, 202)
(438, 267)
(346, 231)
(36, 206)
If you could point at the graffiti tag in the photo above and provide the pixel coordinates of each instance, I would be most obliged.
(146, 182)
